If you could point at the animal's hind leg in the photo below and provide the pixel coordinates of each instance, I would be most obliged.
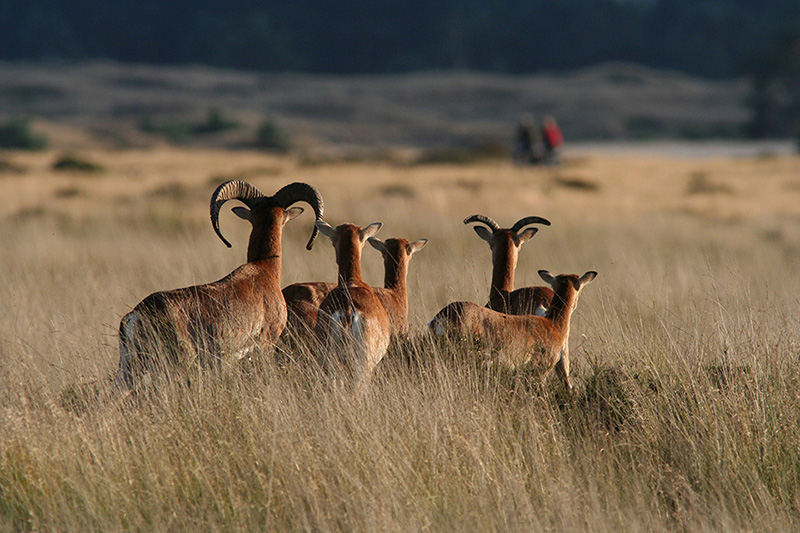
(124, 378)
(562, 366)
(128, 330)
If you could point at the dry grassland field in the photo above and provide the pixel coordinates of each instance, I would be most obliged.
(685, 352)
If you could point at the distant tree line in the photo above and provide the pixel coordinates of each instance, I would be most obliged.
(712, 38)
(775, 95)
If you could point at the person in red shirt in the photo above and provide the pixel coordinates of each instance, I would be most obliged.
(553, 139)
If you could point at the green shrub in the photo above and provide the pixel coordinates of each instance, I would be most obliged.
(17, 135)
(69, 163)
(173, 131)
(272, 137)
(179, 131)
(215, 122)
(575, 183)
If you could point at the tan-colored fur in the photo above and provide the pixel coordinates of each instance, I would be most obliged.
(302, 304)
(219, 321)
(304, 299)
(520, 341)
(352, 331)
(394, 294)
(505, 244)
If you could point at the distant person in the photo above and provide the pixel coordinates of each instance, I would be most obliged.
(527, 138)
(553, 139)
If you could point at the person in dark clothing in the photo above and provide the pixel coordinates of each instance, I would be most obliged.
(527, 139)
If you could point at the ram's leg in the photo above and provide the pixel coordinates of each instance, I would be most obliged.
(129, 328)
(562, 366)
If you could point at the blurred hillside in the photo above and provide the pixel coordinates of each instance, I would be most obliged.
(121, 105)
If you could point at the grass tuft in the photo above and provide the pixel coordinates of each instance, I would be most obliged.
(699, 183)
(577, 184)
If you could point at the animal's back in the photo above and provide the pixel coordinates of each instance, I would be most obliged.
(352, 330)
(303, 301)
(512, 340)
(396, 308)
(188, 326)
(531, 301)
(524, 301)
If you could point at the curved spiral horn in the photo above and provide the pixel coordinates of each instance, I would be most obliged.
(494, 226)
(302, 192)
(521, 223)
(231, 190)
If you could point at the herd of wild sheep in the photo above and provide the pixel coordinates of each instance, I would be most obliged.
(348, 324)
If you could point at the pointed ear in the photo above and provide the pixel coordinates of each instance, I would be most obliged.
(370, 230)
(416, 246)
(586, 278)
(377, 244)
(292, 213)
(243, 213)
(524, 236)
(547, 277)
(483, 233)
(325, 229)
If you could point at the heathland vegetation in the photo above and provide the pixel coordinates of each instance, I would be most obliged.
(113, 105)
(685, 352)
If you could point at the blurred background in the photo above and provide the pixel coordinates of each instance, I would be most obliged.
(367, 77)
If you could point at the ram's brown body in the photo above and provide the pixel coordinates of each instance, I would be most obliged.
(302, 304)
(519, 341)
(505, 244)
(352, 332)
(394, 294)
(226, 319)
(502, 295)
(304, 299)
(205, 323)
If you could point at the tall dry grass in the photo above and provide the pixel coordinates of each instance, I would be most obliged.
(686, 354)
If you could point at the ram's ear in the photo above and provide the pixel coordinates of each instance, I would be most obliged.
(243, 213)
(325, 229)
(524, 236)
(586, 278)
(416, 246)
(547, 277)
(483, 233)
(370, 230)
(377, 244)
(292, 213)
